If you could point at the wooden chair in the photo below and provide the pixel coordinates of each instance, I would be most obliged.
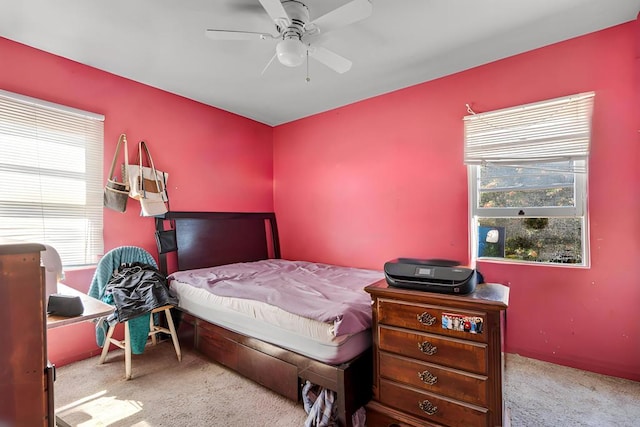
(153, 331)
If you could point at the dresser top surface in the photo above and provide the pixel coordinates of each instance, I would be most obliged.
(492, 295)
(20, 248)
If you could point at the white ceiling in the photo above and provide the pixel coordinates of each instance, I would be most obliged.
(162, 43)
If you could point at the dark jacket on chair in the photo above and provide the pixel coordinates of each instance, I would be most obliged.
(137, 288)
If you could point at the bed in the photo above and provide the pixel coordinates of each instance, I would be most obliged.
(274, 344)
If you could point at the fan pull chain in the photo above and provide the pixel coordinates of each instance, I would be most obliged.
(308, 79)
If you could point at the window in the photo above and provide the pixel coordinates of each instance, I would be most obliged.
(51, 177)
(528, 181)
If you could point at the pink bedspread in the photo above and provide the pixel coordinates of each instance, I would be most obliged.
(322, 292)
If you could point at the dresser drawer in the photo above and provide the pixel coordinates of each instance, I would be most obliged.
(376, 419)
(383, 416)
(450, 352)
(468, 325)
(436, 379)
(431, 407)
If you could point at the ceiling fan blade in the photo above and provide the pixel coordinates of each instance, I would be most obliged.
(349, 13)
(331, 59)
(275, 10)
(236, 35)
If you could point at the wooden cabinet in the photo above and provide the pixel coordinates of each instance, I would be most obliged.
(437, 357)
(26, 379)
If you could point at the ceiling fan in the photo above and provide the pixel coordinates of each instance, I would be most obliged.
(298, 34)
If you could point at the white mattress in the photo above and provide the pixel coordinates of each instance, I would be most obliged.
(308, 337)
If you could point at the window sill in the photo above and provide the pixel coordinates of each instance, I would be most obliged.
(531, 263)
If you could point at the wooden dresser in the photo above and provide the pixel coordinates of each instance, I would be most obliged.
(437, 357)
(26, 379)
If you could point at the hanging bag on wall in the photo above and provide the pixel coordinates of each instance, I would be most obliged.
(148, 185)
(116, 193)
(166, 240)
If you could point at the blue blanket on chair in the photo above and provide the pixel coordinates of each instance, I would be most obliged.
(110, 262)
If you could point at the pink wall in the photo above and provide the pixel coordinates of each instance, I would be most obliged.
(216, 160)
(384, 178)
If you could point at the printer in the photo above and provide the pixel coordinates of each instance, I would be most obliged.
(431, 275)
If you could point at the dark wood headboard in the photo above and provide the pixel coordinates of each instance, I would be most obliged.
(208, 239)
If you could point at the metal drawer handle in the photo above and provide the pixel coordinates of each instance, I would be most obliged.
(427, 377)
(426, 319)
(427, 407)
(427, 348)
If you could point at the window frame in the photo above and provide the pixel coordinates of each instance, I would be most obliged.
(41, 122)
(475, 158)
(579, 211)
(580, 197)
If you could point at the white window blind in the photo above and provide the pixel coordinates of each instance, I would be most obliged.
(51, 185)
(553, 130)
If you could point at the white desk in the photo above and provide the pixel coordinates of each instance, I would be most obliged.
(93, 308)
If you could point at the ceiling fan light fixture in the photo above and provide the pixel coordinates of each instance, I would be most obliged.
(291, 52)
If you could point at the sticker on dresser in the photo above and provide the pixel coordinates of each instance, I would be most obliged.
(457, 322)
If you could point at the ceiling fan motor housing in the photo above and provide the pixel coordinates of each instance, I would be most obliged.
(290, 50)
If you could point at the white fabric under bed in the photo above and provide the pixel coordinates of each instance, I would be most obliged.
(312, 338)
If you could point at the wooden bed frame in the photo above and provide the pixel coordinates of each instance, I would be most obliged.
(207, 239)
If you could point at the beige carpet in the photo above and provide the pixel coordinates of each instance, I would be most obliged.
(541, 394)
(165, 392)
(198, 393)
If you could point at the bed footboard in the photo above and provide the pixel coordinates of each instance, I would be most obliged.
(281, 370)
